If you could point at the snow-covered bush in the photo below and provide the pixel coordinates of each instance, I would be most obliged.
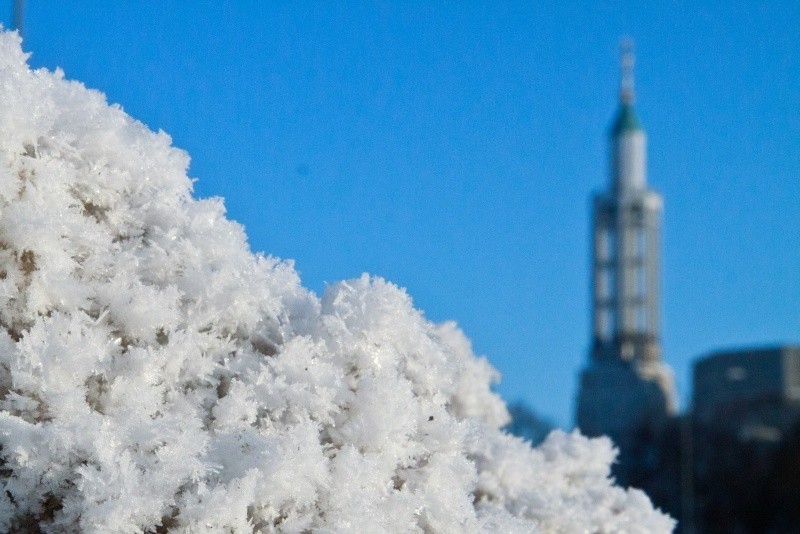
(156, 375)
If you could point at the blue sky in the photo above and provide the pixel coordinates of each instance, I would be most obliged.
(453, 147)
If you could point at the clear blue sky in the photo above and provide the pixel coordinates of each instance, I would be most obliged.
(453, 149)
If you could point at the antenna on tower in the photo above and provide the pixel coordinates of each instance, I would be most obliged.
(18, 16)
(626, 62)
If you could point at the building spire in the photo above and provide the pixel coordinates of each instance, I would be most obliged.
(626, 62)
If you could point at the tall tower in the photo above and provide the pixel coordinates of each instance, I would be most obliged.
(625, 389)
(625, 242)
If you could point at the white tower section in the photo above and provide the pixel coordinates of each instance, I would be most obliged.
(625, 385)
(628, 140)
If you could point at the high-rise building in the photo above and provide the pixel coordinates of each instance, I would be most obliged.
(746, 440)
(626, 390)
(752, 393)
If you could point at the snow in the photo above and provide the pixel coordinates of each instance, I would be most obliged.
(157, 374)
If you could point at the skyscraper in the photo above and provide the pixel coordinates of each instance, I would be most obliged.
(625, 389)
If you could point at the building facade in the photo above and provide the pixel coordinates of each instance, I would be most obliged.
(753, 393)
(746, 440)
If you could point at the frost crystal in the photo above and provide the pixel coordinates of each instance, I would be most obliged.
(155, 375)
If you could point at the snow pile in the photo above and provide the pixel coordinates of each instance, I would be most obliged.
(157, 375)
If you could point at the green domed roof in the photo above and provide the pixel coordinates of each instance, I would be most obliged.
(626, 120)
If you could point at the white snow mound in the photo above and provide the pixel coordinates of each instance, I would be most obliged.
(156, 375)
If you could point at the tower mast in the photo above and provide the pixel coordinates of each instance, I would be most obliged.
(626, 64)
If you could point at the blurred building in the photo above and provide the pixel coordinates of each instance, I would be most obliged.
(745, 420)
(626, 391)
(527, 424)
(753, 392)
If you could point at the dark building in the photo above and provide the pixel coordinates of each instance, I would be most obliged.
(745, 416)
(755, 393)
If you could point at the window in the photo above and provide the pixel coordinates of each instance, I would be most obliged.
(641, 318)
(641, 242)
(605, 244)
(641, 282)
